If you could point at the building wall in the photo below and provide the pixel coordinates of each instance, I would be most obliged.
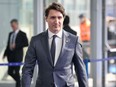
(8, 9)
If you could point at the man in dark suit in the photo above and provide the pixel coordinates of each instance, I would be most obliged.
(55, 51)
(66, 26)
(14, 51)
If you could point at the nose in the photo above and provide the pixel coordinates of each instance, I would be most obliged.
(56, 20)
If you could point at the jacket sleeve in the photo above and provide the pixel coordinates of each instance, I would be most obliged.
(7, 46)
(29, 64)
(79, 66)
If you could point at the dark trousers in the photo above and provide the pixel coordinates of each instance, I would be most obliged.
(13, 71)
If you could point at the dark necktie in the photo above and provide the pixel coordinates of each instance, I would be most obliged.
(53, 48)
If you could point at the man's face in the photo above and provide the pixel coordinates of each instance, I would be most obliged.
(14, 26)
(55, 21)
(82, 20)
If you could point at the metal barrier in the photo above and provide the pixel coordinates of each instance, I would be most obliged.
(11, 64)
(86, 61)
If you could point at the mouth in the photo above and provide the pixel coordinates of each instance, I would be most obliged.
(56, 26)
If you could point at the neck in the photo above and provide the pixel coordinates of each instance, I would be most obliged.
(55, 31)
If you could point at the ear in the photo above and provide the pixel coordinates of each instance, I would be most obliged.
(45, 18)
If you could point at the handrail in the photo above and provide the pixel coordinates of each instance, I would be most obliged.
(12, 64)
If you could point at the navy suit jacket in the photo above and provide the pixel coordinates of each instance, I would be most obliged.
(60, 75)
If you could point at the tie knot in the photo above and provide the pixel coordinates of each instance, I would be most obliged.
(54, 36)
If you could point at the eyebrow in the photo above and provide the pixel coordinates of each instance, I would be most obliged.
(56, 17)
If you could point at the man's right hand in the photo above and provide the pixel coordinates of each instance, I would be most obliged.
(3, 57)
(12, 47)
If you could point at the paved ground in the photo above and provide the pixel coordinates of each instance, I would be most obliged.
(110, 81)
(12, 84)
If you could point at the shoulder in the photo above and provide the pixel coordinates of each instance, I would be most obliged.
(11, 32)
(70, 35)
(70, 30)
(21, 32)
(39, 36)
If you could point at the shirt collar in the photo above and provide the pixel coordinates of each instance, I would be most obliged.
(50, 34)
(16, 31)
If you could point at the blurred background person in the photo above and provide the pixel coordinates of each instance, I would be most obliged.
(85, 34)
(84, 28)
(14, 51)
(66, 26)
(85, 37)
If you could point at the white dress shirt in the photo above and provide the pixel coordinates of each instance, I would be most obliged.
(11, 37)
(58, 41)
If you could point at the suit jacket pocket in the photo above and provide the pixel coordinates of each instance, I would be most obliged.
(68, 49)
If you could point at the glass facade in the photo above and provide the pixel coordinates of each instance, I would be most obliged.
(26, 16)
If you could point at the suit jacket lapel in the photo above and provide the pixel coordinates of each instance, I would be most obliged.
(18, 34)
(46, 47)
(64, 41)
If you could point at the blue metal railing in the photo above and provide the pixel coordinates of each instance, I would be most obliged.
(11, 64)
(86, 61)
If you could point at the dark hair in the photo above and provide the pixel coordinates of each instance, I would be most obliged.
(66, 20)
(14, 20)
(55, 6)
(81, 16)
